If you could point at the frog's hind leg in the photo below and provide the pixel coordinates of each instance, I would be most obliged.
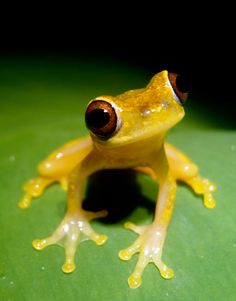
(34, 188)
(204, 187)
(183, 169)
(55, 168)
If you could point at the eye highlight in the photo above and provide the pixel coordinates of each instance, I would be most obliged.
(101, 119)
(179, 85)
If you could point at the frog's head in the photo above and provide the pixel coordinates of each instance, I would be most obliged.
(137, 114)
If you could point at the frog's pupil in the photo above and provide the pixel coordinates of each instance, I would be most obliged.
(97, 118)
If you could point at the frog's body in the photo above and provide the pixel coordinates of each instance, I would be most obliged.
(127, 131)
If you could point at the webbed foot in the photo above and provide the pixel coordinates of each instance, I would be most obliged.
(73, 230)
(149, 245)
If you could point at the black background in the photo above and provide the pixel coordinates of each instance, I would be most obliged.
(192, 39)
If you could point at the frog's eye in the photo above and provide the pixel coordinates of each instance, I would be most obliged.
(180, 86)
(101, 119)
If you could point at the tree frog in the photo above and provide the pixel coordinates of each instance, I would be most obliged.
(126, 131)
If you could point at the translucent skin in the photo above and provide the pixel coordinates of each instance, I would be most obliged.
(145, 116)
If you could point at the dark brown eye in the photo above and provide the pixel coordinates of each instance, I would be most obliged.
(101, 119)
(180, 86)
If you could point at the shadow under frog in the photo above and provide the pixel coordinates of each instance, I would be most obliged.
(116, 191)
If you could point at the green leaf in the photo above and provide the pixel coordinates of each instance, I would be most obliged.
(41, 105)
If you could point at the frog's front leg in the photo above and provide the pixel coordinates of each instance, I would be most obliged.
(151, 238)
(75, 226)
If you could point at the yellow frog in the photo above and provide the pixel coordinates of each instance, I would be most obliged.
(126, 131)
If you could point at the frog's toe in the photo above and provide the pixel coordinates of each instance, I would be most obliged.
(164, 270)
(137, 229)
(167, 273)
(68, 267)
(134, 281)
(99, 239)
(64, 183)
(39, 244)
(25, 201)
(34, 187)
(70, 250)
(209, 201)
(93, 215)
(126, 254)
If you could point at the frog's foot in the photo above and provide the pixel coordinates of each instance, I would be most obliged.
(206, 188)
(73, 230)
(149, 245)
(64, 183)
(33, 188)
